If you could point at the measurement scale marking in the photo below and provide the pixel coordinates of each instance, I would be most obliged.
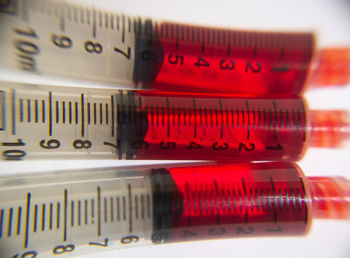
(43, 108)
(124, 208)
(101, 114)
(26, 234)
(1, 221)
(299, 199)
(142, 206)
(50, 215)
(61, 18)
(130, 207)
(21, 110)
(303, 188)
(203, 40)
(254, 118)
(129, 24)
(70, 112)
(136, 207)
(93, 23)
(36, 111)
(287, 198)
(248, 119)
(79, 212)
(243, 118)
(245, 199)
(98, 211)
(63, 112)
(275, 199)
(95, 114)
(3, 112)
(82, 105)
(88, 113)
(222, 119)
(168, 114)
(240, 200)
(57, 112)
(105, 209)
(118, 208)
(282, 120)
(276, 119)
(107, 113)
(112, 105)
(263, 200)
(35, 218)
(237, 118)
(13, 107)
(148, 198)
(111, 209)
(293, 199)
(65, 210)
(29, 111)
(72, 213)
(195, 118)
(50, 113)
(58, 211)
(269, 199)
(293, 126)
(92, 211)
(251, 200)
(85, 212)
(76, 112)
(123, 28)
(19, 217)
(299, 119)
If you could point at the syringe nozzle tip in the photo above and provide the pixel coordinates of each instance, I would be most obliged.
(330, 197)
(331, 67)
(329, 128)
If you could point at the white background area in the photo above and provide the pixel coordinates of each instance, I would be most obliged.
(331, 22)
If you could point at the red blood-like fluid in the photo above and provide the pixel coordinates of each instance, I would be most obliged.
(227, 61)
(239, 200)
(205, 127)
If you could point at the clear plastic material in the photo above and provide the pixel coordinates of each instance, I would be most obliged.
(39, 122)
(75, 212)
(92, 45)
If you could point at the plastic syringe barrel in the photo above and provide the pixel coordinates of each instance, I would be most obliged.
(85, 209)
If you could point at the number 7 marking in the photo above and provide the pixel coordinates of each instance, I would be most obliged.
(127, 55)
(105, 244)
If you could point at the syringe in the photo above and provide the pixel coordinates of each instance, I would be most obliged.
(80, 211)
(39, 122)
(65, 40)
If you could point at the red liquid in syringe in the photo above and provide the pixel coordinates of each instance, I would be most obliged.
(243, 200)
(195, 59)
(155, 125)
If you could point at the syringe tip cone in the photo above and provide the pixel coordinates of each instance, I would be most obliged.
(330, 197)
(331, 67)
(329, 128)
